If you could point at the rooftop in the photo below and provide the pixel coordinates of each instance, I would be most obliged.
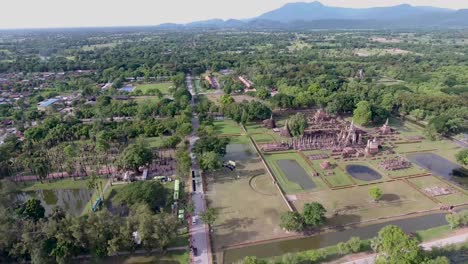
(48, 102)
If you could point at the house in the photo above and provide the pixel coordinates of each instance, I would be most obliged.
(247, 83)
(44, 105)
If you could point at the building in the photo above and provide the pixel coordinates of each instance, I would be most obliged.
(44, 105)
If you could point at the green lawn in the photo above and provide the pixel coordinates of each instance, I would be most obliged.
(56, 184)
(263, 138)
(458, 197)
(155, 142)
(173, 257)
(338, 178)
(227, 127)
(164, 87)
(355, 205)
(288, 186)
(433, 233)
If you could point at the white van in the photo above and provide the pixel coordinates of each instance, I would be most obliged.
(194, 220)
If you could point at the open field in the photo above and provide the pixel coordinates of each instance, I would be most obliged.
(281, 176)
(354, 204)
(164, 87)
(249, 204)
(458, 197)
(226, 127)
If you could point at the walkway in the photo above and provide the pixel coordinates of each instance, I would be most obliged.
(199, 233)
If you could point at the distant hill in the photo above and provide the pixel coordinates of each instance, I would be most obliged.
(314, 15)
(317, 11)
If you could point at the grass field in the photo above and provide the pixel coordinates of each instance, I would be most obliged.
(355, 205)
(250, 212)
(57, 184)
(155, 142)
(288, 186)
(249, 204)
(444, 148)
(458, 197)
(263, 138)
(173, 257)
(164, 87)
(337, 179)
(227, 127)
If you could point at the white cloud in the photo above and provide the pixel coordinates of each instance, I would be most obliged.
(85, 13)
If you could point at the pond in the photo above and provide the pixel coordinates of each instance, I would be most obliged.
(72, 201)
(332, 238)
(295, 173)
(441, 166)
(363, 173)
(238, 152)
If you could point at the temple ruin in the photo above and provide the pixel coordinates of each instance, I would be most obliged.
(437, 191)
(395, 164)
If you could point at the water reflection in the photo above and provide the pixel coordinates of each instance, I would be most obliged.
(72, 201)
(363, 173)
(442, 167)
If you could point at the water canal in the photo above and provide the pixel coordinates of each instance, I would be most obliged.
(332, 238)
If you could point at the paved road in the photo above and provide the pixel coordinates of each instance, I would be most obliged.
(456, 239)
(199, 231)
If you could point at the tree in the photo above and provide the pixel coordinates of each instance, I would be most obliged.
(297, 124)
(343, 248)
(394, 246)
(362, 115)
(355, 244)
(263, 93)
(375, 193)
(210, 161)
(31, 209)
(135, 156)
(151, 193)
(226, 99)
(209, 216)
(456, 220)
(292, 221)
(313, 214)
(462, 156)
(253, 260)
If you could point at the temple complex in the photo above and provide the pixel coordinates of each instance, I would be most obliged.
(325, 132)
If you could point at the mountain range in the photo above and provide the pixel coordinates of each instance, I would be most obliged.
(315, 15)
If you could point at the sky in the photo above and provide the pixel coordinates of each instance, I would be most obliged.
(89, 13)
